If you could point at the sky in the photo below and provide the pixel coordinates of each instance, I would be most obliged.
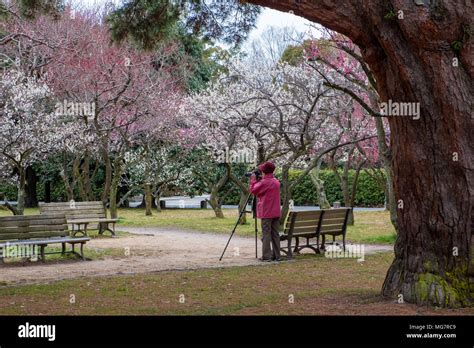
(267, 18)
(273, 18)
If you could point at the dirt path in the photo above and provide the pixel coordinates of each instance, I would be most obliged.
(149, 250)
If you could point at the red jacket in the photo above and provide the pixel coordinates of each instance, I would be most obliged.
(267, 191)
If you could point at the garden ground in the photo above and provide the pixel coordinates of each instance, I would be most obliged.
(148, 270)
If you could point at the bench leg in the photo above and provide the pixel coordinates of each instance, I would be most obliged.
(290, 252)
(82, 252)
(344, 242)
(43, 258)
(104, 226)
(63, 248)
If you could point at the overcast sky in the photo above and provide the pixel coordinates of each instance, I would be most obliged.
(268, 18)
(272, 18)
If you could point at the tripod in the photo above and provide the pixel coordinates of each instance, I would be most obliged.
(242, 212)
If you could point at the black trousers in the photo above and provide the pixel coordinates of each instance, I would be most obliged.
(271, 238)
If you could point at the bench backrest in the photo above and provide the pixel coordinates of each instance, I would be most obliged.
(327, 221)
(77, 210)
(335, 221)
(303, 221)
(32, 226)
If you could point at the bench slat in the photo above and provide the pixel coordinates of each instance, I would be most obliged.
(315, 214)
(68, 204)
(335, 213)
(10, 236)
(305, 229)
(42, 222)
(28, 229)
(306, 223)
(31, 217)
(46, 241)
(80, 211)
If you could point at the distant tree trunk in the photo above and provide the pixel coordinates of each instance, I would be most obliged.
(114, 186)
(386, 156)
(86, 177)
(20, 207)
(31, 197)
(78, 178)
(47, 191)
(148, 200)
(348, 194)
(64, 176)
(414, 60)
(108, 173)
(242, 207)
(244, 194)
(157, 200)
(319, 186)
(286, 194)
(216, 204)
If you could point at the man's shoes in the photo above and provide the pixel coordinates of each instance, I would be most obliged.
(264, 260)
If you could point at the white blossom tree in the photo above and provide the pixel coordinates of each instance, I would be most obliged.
(29, 128)
(283, 113)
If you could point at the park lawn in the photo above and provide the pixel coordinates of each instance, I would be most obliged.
(318, 286)
(372, 227)
(90, 253)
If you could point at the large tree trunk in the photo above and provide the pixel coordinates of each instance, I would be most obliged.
(413, 61)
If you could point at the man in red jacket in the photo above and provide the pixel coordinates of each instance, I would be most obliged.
(267, 191)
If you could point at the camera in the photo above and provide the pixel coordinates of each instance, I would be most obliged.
(257, 173)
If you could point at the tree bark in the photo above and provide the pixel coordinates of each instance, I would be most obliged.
(148, 200)
(286, 194)
(20, 207)
(31, 196)
(413, 61)
(47, 191)
(319, 186)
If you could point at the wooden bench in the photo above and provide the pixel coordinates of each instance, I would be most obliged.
(81, 215)
(314, 224)
(37, 230)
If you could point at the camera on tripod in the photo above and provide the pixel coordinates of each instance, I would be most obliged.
(257, 172)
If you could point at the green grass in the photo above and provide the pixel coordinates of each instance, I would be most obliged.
(90, 253)
(369, 227)
(249, 290)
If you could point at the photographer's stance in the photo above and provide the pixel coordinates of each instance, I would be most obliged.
(267, 190)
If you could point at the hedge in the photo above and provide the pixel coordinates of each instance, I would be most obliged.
(368, 192)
